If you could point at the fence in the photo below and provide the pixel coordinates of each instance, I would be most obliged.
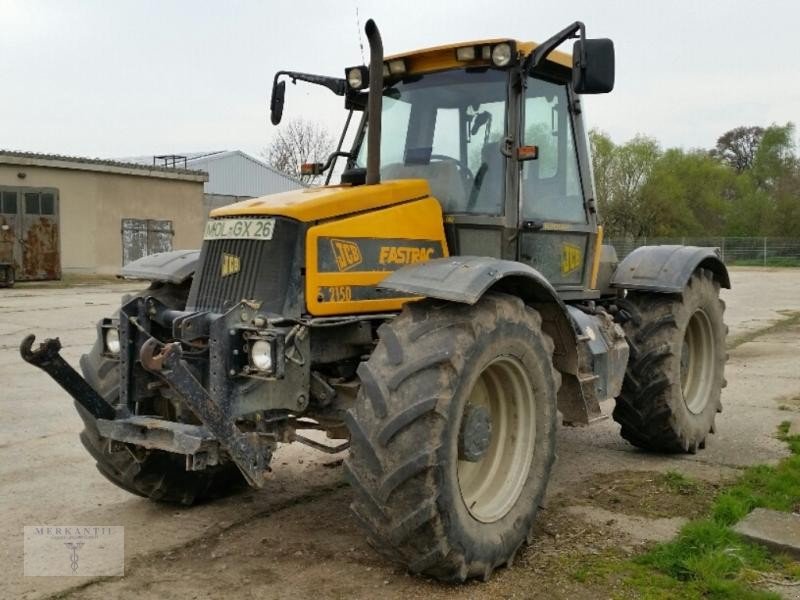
(766, 251)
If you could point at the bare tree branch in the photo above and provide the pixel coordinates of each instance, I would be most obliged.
(298, 142)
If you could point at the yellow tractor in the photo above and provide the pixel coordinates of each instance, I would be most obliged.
(435, 311)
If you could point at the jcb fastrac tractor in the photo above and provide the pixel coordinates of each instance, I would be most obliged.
(436, 310)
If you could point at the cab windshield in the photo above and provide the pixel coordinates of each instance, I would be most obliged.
(447, 128)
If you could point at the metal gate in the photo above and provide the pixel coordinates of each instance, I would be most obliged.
(29, 232)
(142, 237)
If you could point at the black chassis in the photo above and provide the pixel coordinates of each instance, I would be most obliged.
(199, 361)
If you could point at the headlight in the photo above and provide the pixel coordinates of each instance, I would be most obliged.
(261, 355)
(111, 341)
(501, 54)
(355, 79)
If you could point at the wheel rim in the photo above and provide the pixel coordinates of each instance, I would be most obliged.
(491, 485)
(697, 362)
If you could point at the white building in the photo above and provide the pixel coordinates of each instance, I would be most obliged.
(232, 174)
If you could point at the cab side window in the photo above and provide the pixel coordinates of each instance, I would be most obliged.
(551, 185)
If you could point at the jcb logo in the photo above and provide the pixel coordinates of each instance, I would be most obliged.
(231, 264)
(571, 258)
(347, 254)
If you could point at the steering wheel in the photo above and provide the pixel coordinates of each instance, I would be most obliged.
(462, 168)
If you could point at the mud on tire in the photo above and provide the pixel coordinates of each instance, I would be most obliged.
(405, 435)
(159, 476)
(672, 388)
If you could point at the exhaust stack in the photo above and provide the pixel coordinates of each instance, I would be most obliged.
(375, 103)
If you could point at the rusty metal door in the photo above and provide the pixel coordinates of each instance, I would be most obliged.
(29, 232)
(9, 229)
(39, 236)
(142, 237)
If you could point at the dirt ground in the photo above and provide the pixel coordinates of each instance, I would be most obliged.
(295, 538)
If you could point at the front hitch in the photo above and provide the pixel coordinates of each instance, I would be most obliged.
(247, 450)
(47, 358)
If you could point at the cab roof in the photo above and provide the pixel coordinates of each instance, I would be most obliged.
(444, 57)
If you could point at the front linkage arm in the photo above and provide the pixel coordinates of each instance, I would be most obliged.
(47, 358)
(246, 449)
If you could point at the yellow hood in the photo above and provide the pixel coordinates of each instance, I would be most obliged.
(320, 203)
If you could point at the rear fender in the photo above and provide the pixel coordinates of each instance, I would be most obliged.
(667, 269)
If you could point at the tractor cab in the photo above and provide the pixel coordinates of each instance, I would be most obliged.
(495, 128)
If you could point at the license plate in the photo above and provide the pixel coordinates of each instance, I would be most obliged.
(239, 229)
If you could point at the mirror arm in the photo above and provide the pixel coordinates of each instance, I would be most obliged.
(336, 85)
(545, 48)
(332, 158)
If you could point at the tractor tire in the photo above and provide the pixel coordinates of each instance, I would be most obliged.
(157, 475)
(671, 392)
(453, 435)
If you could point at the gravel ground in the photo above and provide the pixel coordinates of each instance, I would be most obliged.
(295, 538)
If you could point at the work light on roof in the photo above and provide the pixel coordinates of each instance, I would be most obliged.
(501, 54)
(397, 67)
(354, 78)
(465, 53)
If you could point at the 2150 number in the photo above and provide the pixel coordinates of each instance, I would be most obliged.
(339, 293)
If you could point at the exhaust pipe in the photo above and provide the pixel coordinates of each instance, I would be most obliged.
(375, 103)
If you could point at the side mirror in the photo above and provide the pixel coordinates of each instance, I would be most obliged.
(593, 66)
(276, 102)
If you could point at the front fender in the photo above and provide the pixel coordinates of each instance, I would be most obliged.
(465, 279)
(667, 269)
(172, 267)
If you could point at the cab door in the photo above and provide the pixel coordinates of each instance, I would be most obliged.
(557, 231)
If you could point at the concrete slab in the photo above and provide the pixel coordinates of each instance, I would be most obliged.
(777, 530)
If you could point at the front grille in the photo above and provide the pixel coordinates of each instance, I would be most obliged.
(264, 269)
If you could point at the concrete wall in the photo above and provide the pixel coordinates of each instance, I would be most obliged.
(91, 207)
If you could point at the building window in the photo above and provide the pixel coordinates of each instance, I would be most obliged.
(32, 203)
(8, 203)
(47, 204)
(29, 201)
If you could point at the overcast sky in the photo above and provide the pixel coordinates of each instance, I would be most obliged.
(123, 77)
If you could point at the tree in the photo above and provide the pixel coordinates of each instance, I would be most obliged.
(738, 147)
(686, 194)
(296, 143)
(602, 149)
(620, 173)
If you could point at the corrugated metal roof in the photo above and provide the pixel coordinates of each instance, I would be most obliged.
(233, 173)
(82, 163)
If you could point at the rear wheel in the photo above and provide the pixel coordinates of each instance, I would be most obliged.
(159, 476)
(453, 435)
(675, 376)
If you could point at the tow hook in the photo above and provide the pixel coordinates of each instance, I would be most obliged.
(47, 358)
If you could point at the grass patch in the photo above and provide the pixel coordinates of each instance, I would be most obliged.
(648, 494)
(708, 559)
(679, 483)
(791, 319)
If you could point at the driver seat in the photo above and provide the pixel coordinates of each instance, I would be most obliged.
(446, 183)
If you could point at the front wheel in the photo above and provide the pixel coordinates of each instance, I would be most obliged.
(453, 435)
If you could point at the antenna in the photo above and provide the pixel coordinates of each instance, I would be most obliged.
(360, 39)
